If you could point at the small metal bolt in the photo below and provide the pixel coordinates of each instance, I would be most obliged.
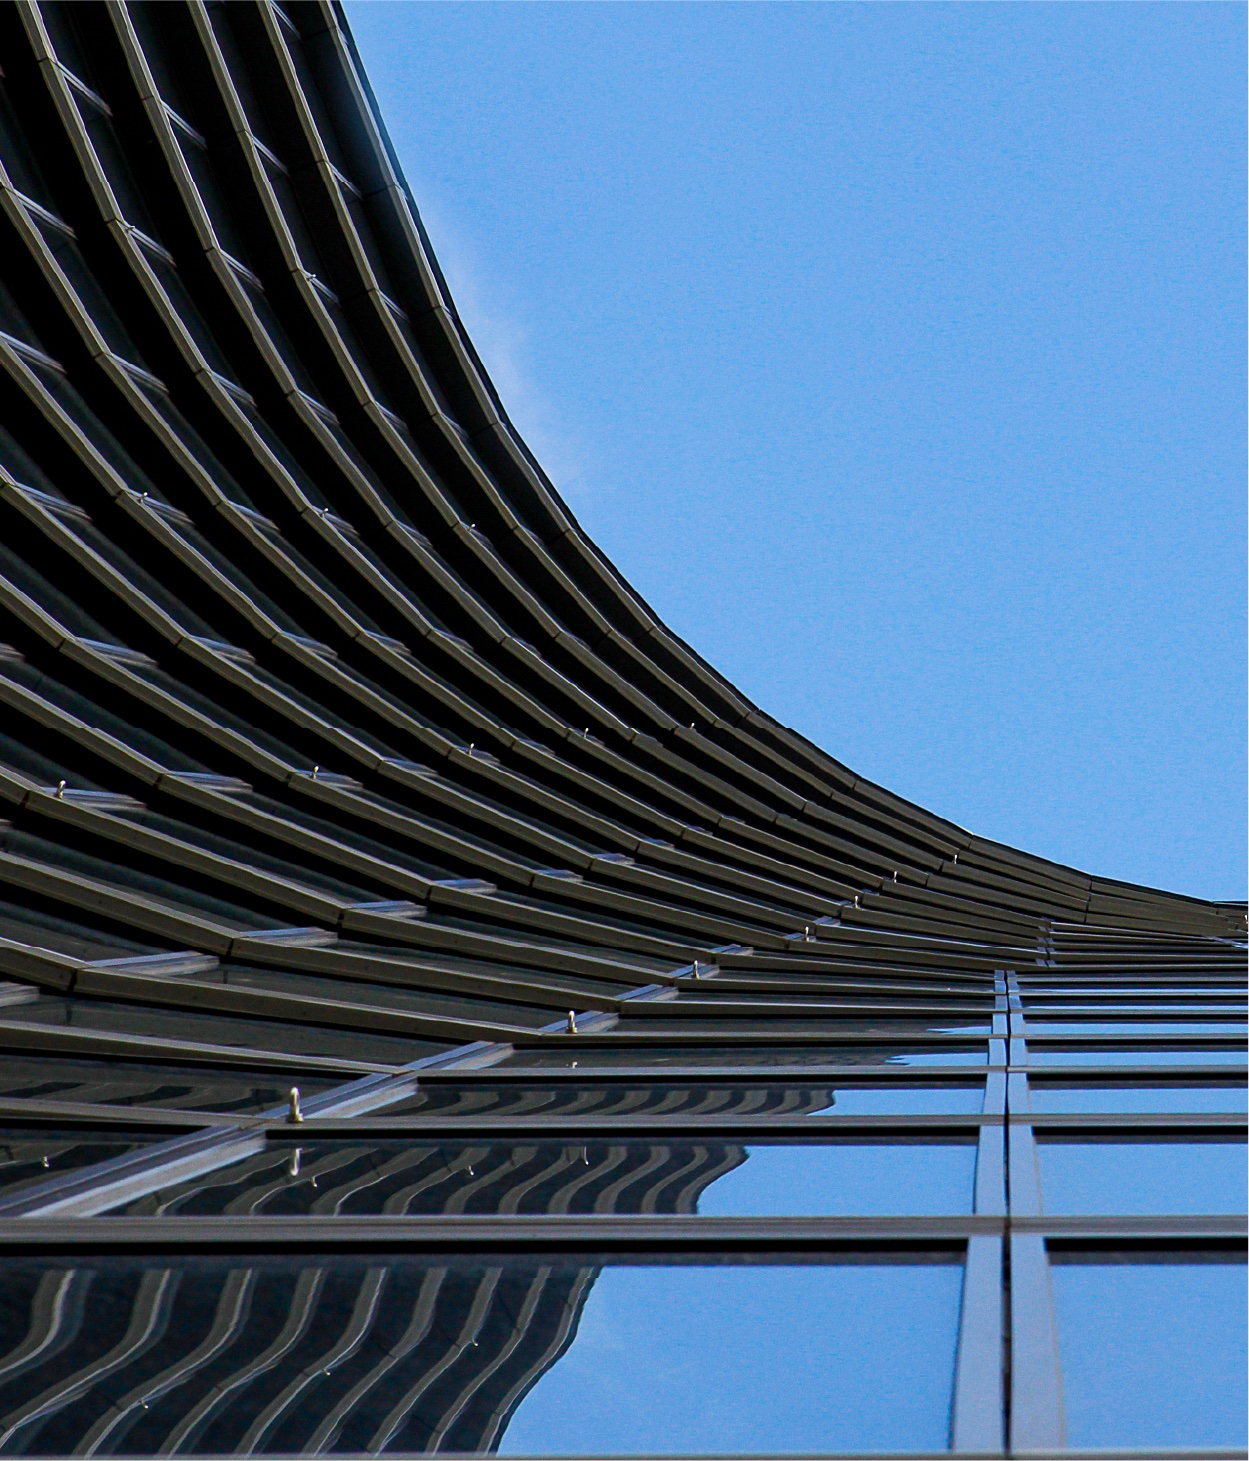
(572, 1022)
(315, 770)
(295, 1111)
(60, 790)
(696, 973)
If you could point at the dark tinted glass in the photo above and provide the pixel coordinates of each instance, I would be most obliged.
(1192, 1174)
(33, 1156)
(554, 1355)
(711, 1177)
(124, 1083)
(746, 1055)
(1153, 1352)
(107, 1016)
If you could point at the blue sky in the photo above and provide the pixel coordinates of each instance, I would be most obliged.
(895, 353)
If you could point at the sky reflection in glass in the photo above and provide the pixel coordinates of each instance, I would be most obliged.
(755, 1358)
(1136, 1027)
(845, 1178)
(1127, 1099)
(1142, 1177)
(1153, 1354)
(911, 1100)
(1176, 1055)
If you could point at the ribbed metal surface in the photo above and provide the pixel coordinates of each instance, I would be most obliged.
(316, 684)
(335, 756)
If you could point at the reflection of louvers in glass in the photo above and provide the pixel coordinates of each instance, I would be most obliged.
(278, 1356)
(288, 1357)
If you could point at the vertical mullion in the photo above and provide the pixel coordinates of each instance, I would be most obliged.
(991, 1171)
(977, 1422)
(1025, 1176)
(1037, 1417)
(1038, 1421)
(1018, 1096)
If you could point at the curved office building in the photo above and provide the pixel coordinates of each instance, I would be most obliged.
(439, 1012)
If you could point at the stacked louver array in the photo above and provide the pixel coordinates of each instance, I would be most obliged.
(347, 786)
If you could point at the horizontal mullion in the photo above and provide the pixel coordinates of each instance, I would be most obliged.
(158, 1235)
(641, 1127)
(1162, 1230)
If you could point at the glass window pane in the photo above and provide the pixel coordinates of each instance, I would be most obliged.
(1135, 1055)
(831, 1028)
(709, 1177)
(1153, 1352)
(221, 1355)
(588, 1055)
(1161, 1026)
(906, 1100)
(1127, 1005)
(329, 1044)
(31, 1156)
(126, 1083)
(1185, 1175)
(712, 1098)
(845, 1178)
(693, 1359)
(1161, 1098)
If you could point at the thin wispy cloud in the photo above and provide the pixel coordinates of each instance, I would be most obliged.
(503, 342)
